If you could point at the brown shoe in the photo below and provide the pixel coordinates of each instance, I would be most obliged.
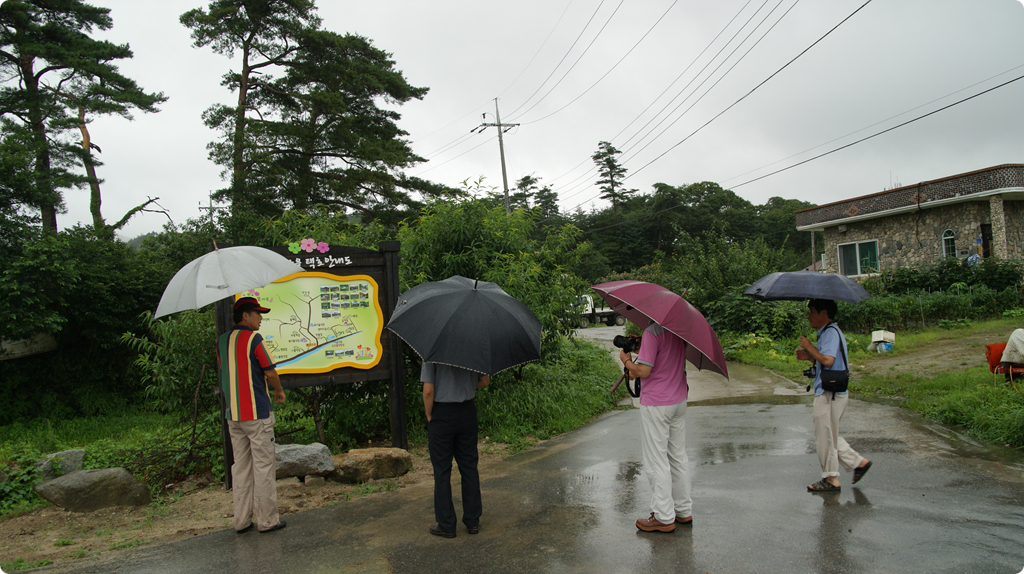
(684, 520)
(652, 525)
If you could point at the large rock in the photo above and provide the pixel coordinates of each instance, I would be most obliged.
(302, 459)
(362, 464)
(88, 490)
(60, 463)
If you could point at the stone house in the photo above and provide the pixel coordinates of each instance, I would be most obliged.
(957, 216)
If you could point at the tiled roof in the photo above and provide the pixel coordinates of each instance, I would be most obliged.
(943, 190)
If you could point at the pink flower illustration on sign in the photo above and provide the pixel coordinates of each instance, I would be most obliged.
(308, 245)
(322, 247)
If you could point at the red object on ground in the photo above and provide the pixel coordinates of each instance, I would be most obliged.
(995, 352)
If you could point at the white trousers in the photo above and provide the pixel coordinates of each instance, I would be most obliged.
(833, 449)
(254, 473)
(663, 440)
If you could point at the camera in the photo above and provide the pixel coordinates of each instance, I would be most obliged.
(812, 372)
(628, 343)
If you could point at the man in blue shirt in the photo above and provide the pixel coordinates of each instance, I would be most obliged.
(833, 449)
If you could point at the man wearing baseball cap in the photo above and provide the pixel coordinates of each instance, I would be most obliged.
(245, 373)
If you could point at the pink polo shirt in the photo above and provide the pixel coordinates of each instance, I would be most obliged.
(666, 355)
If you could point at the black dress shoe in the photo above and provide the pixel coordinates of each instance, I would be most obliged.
(277, 526)
(473, 529)
(436, 531)
(246, 529)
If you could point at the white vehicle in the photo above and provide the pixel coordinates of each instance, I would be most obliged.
(590, 315)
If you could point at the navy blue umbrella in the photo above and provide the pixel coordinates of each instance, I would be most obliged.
(801, 285)
(467, 323)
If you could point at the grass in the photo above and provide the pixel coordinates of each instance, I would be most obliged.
(45, 435)
(129, 543)
(967, 398)
(562, 393)
(22, 564)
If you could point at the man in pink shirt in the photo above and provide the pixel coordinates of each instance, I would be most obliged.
(661, 364)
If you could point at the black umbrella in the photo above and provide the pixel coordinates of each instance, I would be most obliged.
(801, 285)
(467, 323)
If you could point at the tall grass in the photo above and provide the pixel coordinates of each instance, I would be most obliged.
(560, 394)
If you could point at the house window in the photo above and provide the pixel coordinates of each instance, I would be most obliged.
(949, 243)
(858, 258)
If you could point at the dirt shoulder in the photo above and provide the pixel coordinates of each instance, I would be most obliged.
(950, 351)
(194, 507)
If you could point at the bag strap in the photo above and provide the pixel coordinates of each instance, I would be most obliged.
(841, 350)
(841, 341)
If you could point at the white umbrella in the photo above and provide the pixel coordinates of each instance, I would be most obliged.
(222, 273)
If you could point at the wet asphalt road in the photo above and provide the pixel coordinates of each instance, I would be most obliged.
(933, 502)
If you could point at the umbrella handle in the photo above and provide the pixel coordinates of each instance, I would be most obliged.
(619, 382)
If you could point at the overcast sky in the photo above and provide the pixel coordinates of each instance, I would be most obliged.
(574, 73)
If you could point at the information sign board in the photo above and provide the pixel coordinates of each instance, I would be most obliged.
(320, 321)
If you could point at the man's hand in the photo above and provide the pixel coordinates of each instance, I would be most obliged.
(624, 356)
(802, 355)
(278, 395)
(805, 343)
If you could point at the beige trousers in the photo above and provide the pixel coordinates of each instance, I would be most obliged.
(254, 474)
(833, 449)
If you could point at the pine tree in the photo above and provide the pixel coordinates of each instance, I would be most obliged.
(56, 73)
(612, 174)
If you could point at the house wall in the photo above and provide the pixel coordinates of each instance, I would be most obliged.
(916, 238)
(1014, 229)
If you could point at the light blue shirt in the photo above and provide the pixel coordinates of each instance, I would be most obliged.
(829, 339)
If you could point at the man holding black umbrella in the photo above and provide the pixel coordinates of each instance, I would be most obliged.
(829, 407)
(452, 431)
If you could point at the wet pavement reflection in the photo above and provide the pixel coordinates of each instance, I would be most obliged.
(933, 502)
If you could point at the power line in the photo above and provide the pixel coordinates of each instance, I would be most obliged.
(567, 52)
(456, 157)
(640, 115)
(542, 44)
(680, 92)
(584, 53)
(874, 124)
(722, 77)
(881, 132)
(630, 51)
(876, 134)
(754, 89)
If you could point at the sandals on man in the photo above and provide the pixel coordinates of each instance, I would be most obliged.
(823, 486)
(860, 471)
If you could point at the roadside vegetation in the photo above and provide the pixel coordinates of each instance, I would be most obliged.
(964, 395)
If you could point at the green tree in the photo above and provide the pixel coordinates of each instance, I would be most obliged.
(478, 240)
(706, 206)
(266, 35)
(611, 175)
(778, 227)
(51, 64)
(309, 126)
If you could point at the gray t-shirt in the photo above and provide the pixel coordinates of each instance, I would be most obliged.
(451, 384)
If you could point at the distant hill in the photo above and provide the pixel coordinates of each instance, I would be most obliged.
(137, 241)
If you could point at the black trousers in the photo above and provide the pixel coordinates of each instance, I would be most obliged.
(452, 433)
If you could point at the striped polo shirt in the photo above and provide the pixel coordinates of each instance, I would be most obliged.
(242, 359)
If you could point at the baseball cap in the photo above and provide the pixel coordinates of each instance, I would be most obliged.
(250, 304)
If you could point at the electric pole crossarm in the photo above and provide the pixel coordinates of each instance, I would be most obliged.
(502, 128)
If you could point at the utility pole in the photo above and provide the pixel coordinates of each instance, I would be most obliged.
(211, 208)
(502, 128)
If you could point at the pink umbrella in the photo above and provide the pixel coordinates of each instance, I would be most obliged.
(641, 302)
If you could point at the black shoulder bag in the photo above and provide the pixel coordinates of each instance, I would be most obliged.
(836, 381)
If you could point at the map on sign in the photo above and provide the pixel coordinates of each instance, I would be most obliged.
(319, 322)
